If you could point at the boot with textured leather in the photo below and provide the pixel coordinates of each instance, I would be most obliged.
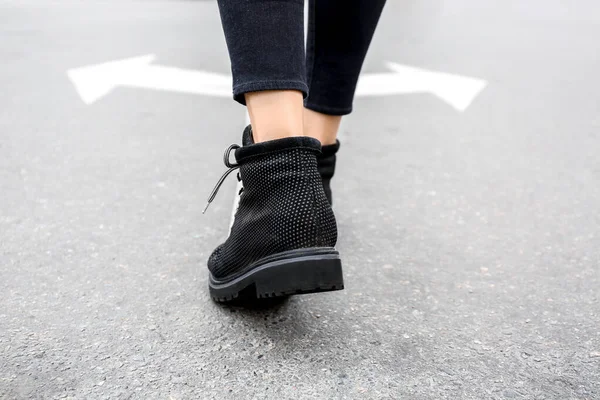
(326, 165)
(283, 238)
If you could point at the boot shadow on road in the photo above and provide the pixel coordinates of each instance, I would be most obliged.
(252, 305)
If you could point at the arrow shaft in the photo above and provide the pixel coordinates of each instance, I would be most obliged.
(387, 84)
(177, 80)
(199, 82)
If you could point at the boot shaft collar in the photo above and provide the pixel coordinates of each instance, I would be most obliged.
(251, 150)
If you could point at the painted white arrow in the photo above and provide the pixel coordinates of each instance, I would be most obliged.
(456, 90)
(95, 81)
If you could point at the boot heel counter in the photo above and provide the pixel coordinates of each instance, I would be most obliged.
(326, 224)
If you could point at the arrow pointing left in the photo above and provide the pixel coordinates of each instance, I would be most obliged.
(96, 81)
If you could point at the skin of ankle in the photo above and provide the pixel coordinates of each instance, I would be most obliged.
(321, 126)
(275, 114)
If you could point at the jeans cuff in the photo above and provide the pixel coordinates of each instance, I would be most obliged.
(240, 90)
(326, 109)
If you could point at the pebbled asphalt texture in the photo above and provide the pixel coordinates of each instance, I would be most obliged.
(470, 241)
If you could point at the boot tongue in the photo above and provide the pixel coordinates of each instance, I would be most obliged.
(247, 138)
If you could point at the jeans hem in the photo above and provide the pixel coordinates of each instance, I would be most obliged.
(259, 86)
(327, 110)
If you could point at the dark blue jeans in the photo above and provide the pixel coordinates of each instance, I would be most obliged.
(265, 39)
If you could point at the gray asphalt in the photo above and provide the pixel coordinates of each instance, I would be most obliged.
(470, 241)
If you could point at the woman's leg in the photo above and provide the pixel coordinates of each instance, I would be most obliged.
(321, 126)
(283, 237)
(275, 114)
(339, 35)
(265, 40)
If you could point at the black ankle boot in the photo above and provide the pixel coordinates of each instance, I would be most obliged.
(283, 237)
(326, 165)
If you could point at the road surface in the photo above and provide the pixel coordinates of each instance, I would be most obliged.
(470, 240)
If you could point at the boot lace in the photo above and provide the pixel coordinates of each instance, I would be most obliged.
(232, 167)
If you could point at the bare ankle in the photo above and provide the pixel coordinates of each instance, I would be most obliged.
(275, 114)
(321, 126)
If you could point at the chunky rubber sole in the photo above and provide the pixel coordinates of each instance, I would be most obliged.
(292, 272)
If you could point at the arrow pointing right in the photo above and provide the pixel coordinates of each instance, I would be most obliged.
(456, 90)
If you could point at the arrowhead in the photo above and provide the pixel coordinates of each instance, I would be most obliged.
(456, 90)
(95, 81)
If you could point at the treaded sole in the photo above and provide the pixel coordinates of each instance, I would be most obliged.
(284, 274)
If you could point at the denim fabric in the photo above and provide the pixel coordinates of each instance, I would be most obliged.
(265, 39)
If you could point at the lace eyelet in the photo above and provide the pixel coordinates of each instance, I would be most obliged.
(227, 156)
